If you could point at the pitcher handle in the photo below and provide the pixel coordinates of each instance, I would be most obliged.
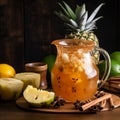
(107, 66)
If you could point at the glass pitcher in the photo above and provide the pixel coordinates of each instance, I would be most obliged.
(75, 75)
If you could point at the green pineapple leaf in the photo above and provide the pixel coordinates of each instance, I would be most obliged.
(96, 19)
(70, 11)
(78, 21)
(83, 21)
(92, 26)
(62, 16)
(82, 11)
(94, 13)
(77, 10)
(67, 10)
(73, 23)
(92, 23)
(72, 28)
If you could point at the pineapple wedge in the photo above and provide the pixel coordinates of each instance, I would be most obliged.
(38, 98)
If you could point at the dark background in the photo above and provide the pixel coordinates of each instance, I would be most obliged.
(27, 28)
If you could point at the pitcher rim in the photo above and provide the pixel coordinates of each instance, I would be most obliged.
(66, 42)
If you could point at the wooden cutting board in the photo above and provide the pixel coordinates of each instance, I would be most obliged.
(66, 108)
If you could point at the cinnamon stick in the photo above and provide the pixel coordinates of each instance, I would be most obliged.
(111, 88)
(94, 102)
(114, 79)
(103, 103)
(114, 82)
(112, 85)
(111, 103)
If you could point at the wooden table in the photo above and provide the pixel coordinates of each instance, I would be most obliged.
(9, 111)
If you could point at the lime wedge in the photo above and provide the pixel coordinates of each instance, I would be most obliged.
(38, 98)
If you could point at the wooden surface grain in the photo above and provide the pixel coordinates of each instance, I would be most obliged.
(9, 111)
(69, 107)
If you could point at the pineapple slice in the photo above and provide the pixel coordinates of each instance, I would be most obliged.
(38, 98)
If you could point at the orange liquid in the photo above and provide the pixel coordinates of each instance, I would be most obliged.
(70, 81)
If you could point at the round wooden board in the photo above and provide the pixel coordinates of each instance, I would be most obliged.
(67, 108)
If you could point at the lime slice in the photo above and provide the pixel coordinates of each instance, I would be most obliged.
(38, 98)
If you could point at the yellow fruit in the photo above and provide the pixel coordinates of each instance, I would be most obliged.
(6, 71)
(29, 78)
(38, 98)
(10, 88)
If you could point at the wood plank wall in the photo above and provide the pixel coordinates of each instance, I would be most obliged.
(27, 28)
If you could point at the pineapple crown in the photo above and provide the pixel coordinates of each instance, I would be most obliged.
(78, 21)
